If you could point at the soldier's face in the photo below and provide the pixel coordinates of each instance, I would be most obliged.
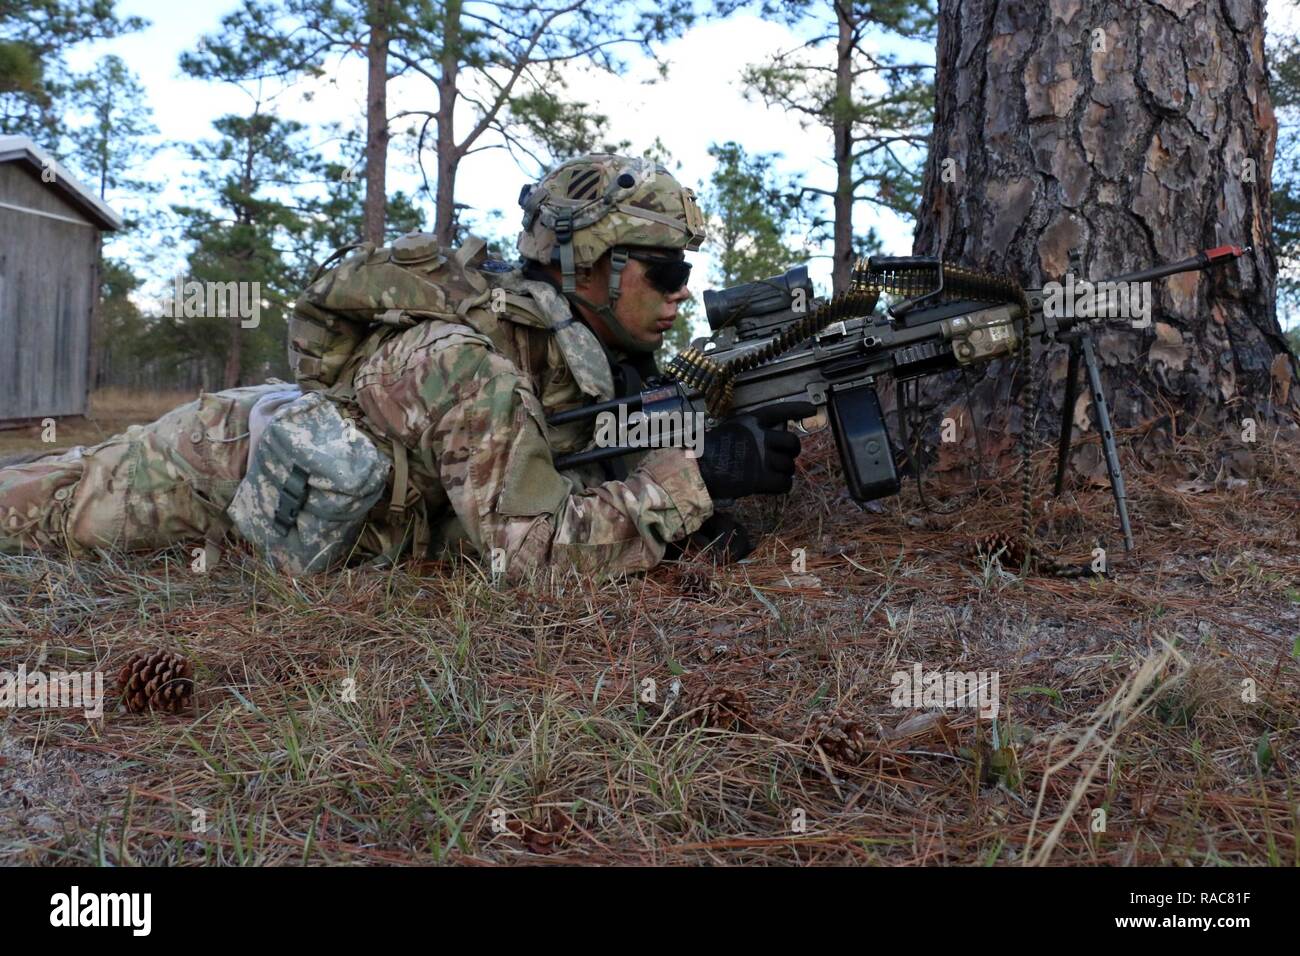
(643, 311)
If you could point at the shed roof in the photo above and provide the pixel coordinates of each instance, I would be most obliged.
(22, 149)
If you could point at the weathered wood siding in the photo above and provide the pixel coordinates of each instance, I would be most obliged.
(48, 279)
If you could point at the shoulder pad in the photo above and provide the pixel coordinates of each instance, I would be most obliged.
(525, 310)
(537, 304)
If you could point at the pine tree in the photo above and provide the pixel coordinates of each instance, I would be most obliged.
(337, 216)
(874, 106)
(1096, 141)
(514, 51)
(274, 205)
(749, 217)
(109, 148)
(35, 36)
(121, 336)
(242, 234)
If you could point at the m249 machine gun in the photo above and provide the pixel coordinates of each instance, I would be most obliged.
(773, 343)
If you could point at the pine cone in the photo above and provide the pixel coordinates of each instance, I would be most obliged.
(840, 736)
(719, 706)
(156, 680)
(695, 580)
(1005, 546)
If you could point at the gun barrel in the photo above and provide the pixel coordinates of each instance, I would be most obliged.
(630, 402)
(1202, 260)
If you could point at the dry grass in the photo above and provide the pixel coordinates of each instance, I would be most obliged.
(506, 724)
(117, 404)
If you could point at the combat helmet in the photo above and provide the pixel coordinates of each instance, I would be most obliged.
(602, 202)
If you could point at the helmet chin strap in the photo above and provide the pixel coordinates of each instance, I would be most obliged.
(618, 261)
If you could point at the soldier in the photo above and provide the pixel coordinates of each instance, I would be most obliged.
(452, 384)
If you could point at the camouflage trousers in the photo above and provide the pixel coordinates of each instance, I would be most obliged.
(152, 486)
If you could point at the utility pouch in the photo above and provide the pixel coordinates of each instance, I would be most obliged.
(311, 482)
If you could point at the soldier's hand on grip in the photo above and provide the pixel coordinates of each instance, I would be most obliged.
(753, 454)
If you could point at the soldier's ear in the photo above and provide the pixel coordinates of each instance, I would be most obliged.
(595, 277)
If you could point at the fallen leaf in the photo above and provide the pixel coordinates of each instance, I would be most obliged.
(1194, 487)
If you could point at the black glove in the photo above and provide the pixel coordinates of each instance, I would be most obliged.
(721, 535)
(753, 454)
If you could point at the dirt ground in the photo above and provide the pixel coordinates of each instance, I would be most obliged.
(744, 714)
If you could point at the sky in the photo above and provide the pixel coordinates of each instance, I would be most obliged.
(701, 102)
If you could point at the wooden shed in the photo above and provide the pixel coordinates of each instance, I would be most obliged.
(50, 237)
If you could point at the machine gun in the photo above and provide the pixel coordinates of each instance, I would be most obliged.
(773, 343)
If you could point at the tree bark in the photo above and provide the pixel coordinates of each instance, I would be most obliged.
(842, 132)
(1096, 139)
(244, 217)
(376, 122)
(448, 153)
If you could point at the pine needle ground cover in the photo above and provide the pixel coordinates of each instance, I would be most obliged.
(743, 714)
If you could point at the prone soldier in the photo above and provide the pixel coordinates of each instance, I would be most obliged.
(418, 422)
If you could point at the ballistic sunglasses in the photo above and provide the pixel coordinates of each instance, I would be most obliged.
(664, 274)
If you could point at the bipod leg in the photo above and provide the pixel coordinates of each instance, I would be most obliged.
(1067, 416)
(1107, 438)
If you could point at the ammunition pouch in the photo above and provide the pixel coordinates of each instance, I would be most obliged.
(312, 480)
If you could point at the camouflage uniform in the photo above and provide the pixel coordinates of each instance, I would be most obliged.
(457, 400)
(150, 487)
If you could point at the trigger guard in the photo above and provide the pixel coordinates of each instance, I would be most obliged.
(812, 424)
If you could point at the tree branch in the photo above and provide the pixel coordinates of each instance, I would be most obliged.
(523, 61)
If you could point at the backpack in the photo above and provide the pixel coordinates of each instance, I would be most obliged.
(415, 278)
(310, 484)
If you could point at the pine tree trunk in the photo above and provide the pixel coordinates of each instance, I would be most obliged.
(376, 122)
(1096, 139)
(842, 133)
(234, 368)
(448, 154)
